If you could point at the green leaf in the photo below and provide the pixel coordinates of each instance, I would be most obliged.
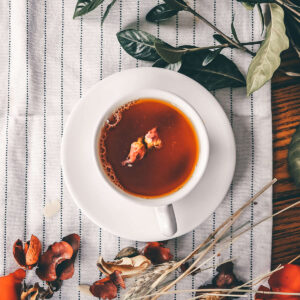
(262, 19)
(176, 4)
(249, 6)
(221, 40)
(138, 44)
(267, 58)
(160, 63)
(108, 8)
(234, 32)
(253, 2)
(168, 53)
(220, 73)
(161, 12)
(85, 6)
(211, 56)
(294, 156)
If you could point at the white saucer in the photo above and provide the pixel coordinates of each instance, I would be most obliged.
(103, 205)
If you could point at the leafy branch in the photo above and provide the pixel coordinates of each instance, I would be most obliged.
(198, 62)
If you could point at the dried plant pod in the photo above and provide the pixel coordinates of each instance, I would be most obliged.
(127, 252)
(50, 260)
(28, 256)
(106, 288)
(157, 253)
(66, 269)
(129, 266)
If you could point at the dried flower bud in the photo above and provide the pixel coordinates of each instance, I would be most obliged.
(152, 139)
(137, 152)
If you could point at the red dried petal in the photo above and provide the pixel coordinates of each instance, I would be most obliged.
(157, 253)
(33, 251)
(18, 253)
(55, 255)
(10, 285)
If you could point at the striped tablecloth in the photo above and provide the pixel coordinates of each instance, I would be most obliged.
(48, 62)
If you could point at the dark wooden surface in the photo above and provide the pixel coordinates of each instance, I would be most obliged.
(286, 117)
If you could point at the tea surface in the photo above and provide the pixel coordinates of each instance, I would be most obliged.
(161, 171)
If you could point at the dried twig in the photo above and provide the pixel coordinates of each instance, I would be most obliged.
(215, 236)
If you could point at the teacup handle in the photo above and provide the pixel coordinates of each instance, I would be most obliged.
(166, 219)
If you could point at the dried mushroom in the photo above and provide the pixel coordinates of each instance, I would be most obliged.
(225, 279)
(157, 253)
(129, 266)
(106, 288)
(52, 258)
(28, 256)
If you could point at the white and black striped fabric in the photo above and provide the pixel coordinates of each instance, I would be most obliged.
(48, 62)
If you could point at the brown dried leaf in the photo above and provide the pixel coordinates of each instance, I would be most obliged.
(127, 252)
(129, 266)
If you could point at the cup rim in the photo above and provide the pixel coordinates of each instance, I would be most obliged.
(202, 137)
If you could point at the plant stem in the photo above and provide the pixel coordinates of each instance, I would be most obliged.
(227, 38)
(283, 4)
(219, 46)
(220, 230)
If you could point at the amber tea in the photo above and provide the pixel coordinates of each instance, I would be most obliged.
(148, 148)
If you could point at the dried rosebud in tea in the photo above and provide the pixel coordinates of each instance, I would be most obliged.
(106, 288)
(285, 280)
(28, 256)
(152, 139)
(157, 253)
(11, 285)
(50, 260)
(137, 152)
(36, 292)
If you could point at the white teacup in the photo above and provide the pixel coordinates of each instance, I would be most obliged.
(163, 205)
